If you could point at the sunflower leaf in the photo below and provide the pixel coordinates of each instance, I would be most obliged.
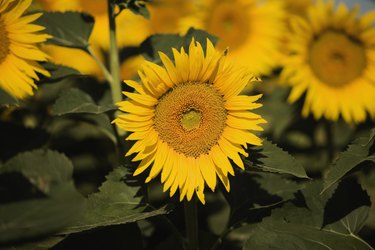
(274, 159)
(40, 181)
(300, 225)
(164, 42)
(76, 101)
(117, 202)
(58, 72)
(264, 191)
(356, 154)
(69, 29)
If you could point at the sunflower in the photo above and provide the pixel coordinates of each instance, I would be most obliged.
(251, 28)
(296, 7)
(85, 65)
(125, 21)
(188, 120)
(18, 49)
(165, 16)
(332, 60)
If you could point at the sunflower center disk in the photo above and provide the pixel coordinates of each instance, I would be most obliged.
(191, 118)
(336, 58)
(230, 22)
(4, 41)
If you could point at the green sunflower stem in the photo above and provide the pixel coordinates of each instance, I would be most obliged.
(191, 223)
(114, 55)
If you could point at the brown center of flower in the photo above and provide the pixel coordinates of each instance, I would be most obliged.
(191, 118)
(336, 58)
(230, 22)
(4, 41)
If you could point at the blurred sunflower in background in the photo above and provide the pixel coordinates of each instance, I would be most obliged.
(19, 54)
(188, 120)
(164, 16)
(299, 7)
(332, 59)
(126, 23)
(251, 29)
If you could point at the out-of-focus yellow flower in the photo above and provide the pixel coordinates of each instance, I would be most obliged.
(251, 29)
(188, 120)
(129, 26)
(166, 15)
(294, 7)
(74, 58)
(131, 29)
(18, 48)
(332, 59)
(130, 66)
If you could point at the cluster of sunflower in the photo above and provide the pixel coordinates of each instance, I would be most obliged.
(191, 109)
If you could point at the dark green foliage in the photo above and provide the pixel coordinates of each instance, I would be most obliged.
(76, 101)
(116, 203)
(68, 29)
(53, 203)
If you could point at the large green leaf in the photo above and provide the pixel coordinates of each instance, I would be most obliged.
(280, 235)
(36, 217)
(58, 72)
(76, 101)
(69, 29)
(254, 195)
(115, 203)
(300, 225)
(43, 169)
(274, 159)
(51, 203)
(357, 153)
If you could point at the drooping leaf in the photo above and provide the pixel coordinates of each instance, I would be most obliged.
(274, 159)
(138, 7)
(300, 225)
(115, 203)
(69, 29)
(356, 154)
(164, 42)
(283, 236)
(42, 168)
(76, 101)
(54, 204)
(58, 72)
